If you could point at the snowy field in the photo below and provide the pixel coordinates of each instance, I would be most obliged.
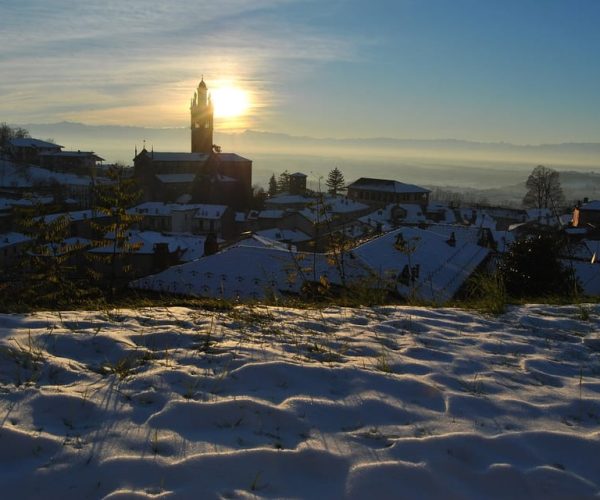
(387, 402)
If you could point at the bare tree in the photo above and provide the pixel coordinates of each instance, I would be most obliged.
(543, 189)
(7, 133)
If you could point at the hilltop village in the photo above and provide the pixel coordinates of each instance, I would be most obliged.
(192, 223)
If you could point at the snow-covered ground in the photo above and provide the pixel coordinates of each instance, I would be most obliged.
(387, 402)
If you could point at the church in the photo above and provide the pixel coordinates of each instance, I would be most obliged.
(205, 175)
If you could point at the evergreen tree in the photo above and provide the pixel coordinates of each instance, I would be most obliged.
(45, 275)
(532, 267)
(283, 183)
(272, 186)
(112, 200)
(335, 181)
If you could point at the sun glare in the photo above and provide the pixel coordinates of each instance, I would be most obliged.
(229, 102)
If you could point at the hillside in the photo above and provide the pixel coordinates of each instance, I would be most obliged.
(388, 402)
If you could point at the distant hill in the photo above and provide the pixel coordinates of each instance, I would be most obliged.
(460, 163)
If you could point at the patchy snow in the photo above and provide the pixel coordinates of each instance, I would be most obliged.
(388, 402)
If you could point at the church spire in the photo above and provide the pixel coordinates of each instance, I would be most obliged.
(201, 112)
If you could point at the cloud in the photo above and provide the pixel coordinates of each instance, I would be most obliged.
(104, 62)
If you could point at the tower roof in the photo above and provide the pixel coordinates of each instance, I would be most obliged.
(202, 84)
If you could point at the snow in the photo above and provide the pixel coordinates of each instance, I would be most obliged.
(276, 269)
(591, 205)
(201, 210)
(588, 275)
(17, 176)
(28, 142)
(144, 242)
(271, 214)
(253, 269)
(289, 199)
(291, 235)
(442, 268)
(12, 238)
(386, 402)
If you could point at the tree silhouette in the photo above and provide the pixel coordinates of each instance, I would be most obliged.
(543, 189)
(112, 201)
(272, 186)
(283, 183)
(335, 181)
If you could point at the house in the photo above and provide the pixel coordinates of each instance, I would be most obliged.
(219, 178)
(217, 219)
(77, 162)
(420, 263)
(587, 215)
(28, 150)
(12, 246)
(150, 252)
(434, 271)
(195, 218)
(383, 192)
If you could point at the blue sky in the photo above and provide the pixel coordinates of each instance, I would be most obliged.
(523, 71)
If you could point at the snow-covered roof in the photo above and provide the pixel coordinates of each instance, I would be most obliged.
(289, 199)
(166, 209)
(175, 178)
(271, 214)
(17, 176)
(72, 154)
(144, 242)
(482, 218)
(28, 142)
(178, 157)
(231, 157)
(587, 274)
(342, 204)
(8, 203)
(291, 235)
(385, 185)
(412, 214)
(210, 211)
(227, 274)
(240, 217)
(12, 238)
(591, 205)
(78, 215)
(442, 268)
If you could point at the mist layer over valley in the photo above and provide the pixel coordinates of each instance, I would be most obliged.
(492, 171)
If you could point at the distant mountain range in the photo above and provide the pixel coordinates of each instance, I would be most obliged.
(454, 163)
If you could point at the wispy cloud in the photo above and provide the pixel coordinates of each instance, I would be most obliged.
(136, 62)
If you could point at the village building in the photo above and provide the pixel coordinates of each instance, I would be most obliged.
(196, 218)
(587, 216)
(205, 175)
(383, 192)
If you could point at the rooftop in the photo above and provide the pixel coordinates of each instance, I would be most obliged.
(385, 185)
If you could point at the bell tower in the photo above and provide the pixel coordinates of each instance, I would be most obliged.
(201, 111)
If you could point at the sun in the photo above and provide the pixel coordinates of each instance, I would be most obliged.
(229, 101)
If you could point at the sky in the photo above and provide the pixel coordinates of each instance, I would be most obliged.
(521, 71)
